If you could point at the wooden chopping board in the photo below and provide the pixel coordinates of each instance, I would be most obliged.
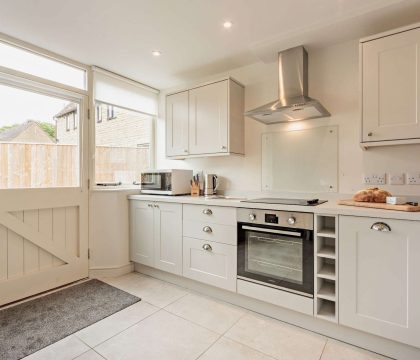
(383, 206)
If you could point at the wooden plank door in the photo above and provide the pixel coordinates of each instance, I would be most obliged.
(43, 209)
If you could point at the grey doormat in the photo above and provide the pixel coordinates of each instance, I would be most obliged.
(33, 325)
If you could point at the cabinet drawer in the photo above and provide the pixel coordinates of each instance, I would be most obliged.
(210, 262)
(224, 234)
(210, 214)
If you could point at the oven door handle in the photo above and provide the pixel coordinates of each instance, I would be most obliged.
(272, 231)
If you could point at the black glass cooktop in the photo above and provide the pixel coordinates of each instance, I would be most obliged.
(301, 202)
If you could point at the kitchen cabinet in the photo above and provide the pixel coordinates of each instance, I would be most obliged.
(210, 245)
(206, 120)
(379, 290)
(177, 124)
(210, 262)
(156, 235)
(390, 77)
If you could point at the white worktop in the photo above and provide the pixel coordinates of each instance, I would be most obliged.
(330, 207)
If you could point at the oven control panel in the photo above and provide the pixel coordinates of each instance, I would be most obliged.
(298, 220)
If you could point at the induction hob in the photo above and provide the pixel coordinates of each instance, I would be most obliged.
(301, 202)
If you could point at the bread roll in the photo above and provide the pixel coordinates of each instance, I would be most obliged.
(371, 195)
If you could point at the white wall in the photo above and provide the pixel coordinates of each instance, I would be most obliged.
(334, 80)
(109, 230)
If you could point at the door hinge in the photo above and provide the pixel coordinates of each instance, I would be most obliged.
(88, 253)
(88, 184)
(88, 114)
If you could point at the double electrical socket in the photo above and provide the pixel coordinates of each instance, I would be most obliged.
(394, 179)
(413, 178)
(374, 179)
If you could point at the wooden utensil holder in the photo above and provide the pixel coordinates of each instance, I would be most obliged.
(195, 190)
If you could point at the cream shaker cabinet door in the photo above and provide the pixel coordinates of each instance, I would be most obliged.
(177, 124)
(210, 262)
(141, 232)
(168, 237)
(379, 289)
(391, 87)
(208, 119)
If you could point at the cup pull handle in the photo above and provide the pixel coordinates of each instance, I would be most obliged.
(207, 212)
(207, 247)
(207, 229)
(380, 226)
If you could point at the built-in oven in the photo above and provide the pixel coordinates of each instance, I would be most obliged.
(276, 249)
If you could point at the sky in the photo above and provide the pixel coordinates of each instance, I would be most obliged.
(17, 106)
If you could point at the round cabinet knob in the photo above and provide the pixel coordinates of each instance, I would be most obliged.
(291, 220)
(252, 217)
(370, 133)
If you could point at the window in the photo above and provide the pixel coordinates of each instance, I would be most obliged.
(67, 122)
(110, 112)
(98, 114)
(37, 153)
(123, 147)
(74, 120)
(23, 60)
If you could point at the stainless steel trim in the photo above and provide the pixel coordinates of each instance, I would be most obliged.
(380, 226)
(273, 231)
(304, 220)
(275, 286)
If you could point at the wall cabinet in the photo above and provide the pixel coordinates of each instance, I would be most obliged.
(390, 76)
(206, 120)
(156, 235)
(177, 124)
(379, 290)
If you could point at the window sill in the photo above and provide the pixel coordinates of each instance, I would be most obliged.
(128, 188)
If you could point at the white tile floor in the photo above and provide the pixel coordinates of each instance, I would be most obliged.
(173, 323)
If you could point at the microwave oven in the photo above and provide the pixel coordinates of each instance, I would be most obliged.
(166, 182)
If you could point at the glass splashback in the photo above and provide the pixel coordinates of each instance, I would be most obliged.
(301, 160)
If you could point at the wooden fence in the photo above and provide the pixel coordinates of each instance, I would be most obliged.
(52, 165)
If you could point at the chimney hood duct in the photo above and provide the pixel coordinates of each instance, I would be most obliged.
(293, 104)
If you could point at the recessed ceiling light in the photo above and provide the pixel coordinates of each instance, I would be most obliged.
(227, 24)
(156, 53)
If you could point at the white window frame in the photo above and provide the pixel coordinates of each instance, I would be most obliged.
(93, 124)
(36, 84)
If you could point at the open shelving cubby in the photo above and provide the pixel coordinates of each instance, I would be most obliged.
(326, 267)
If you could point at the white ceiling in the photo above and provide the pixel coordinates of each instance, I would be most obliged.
(120, 35)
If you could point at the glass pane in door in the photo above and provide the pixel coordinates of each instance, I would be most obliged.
(39, 140)
(276, 256)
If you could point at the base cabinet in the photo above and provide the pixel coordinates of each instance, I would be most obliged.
(210, 262)
(156, 235)
(379, 289)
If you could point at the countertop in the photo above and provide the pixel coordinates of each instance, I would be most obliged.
(329, 208)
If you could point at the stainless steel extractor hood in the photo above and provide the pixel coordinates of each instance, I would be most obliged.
(294, 103)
